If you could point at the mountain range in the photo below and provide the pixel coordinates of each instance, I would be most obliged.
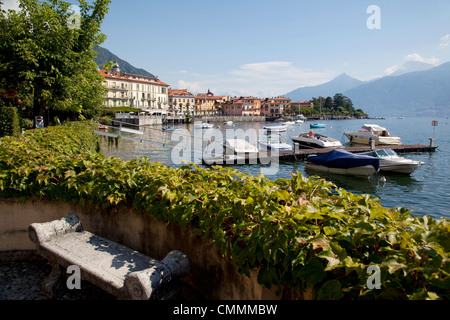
(415, 89)
(105, 56)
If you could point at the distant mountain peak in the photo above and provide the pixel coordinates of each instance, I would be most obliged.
(342, 75)
(412, 66)
(339, 84)
(415, 93)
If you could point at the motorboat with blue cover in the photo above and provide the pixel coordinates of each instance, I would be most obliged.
(340, 161)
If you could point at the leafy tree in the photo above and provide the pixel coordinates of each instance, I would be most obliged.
(108, 66)
(338, 101)
(44, 57)
(339, 104)
(328, 103)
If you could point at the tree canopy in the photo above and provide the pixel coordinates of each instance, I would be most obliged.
(337, 105)
(48, 60)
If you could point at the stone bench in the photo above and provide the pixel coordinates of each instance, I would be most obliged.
(118, 270)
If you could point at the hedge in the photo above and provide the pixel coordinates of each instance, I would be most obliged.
(9, 122)
(302, 234)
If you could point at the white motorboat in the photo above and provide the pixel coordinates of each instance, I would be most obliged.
(288, 123)
(390, 161)
(301, 117)
(372, 132)
(204, 125)
(172, 128)
(299, 121)
(240, 146)
(314, 140)
(274, 143)
(229, 123)
(225, 159)
(281, 128)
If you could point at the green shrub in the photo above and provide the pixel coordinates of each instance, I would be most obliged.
(301, 234)
(9, 122)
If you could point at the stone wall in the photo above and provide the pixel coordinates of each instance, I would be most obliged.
(211, 275)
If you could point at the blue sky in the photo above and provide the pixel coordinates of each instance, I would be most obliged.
(268, 48)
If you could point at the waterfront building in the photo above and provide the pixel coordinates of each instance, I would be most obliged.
(181, 102)
(302, 104)
(136, 91)
(207, 104)
(242, 106)
(274, 107)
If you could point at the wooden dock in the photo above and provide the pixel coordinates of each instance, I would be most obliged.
(302, 154)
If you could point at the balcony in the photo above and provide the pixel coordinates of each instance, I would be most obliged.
(111, 87)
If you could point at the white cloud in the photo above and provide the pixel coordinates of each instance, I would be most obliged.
(393, 69)
(10, 4)
(183, 71)
(263, 80)
(444, 41)
(273, 78)
(411, 57)
(419, 58)
(191, 86)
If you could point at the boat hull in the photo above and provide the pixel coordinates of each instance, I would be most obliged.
(400, 167)
(366, 139)
(276, 146)
(363, 171)
(317, 126)
(313, 143)
(276, 129)
(240, 146)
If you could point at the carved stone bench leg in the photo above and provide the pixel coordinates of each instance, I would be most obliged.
(53, 285)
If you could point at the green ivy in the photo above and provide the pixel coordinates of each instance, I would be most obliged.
(301, 234)
(9, 121)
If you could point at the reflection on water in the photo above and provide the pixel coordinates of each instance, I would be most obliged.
(426, 191)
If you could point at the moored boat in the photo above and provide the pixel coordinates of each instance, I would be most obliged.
(317, 125)
(280, 128)
(204, 125)
(390, 161)
(340, 161)
(171, 128)
(239, 146)
(372, 132)
(274, 143)
(314, 140)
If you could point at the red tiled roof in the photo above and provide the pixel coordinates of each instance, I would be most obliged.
(180, 92)
(125, 76)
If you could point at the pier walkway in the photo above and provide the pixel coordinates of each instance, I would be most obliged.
(302, 154)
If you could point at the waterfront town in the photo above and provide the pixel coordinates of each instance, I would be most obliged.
(155, 97)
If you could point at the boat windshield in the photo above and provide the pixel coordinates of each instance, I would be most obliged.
(382, 153)
(386, 153)
(390, 152)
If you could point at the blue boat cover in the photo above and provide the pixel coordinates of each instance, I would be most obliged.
(343, 159)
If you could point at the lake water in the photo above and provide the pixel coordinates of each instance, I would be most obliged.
(426, 191)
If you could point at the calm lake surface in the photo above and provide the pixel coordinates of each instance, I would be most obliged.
(426, 191)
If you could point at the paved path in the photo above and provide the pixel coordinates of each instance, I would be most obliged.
(21, 280)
